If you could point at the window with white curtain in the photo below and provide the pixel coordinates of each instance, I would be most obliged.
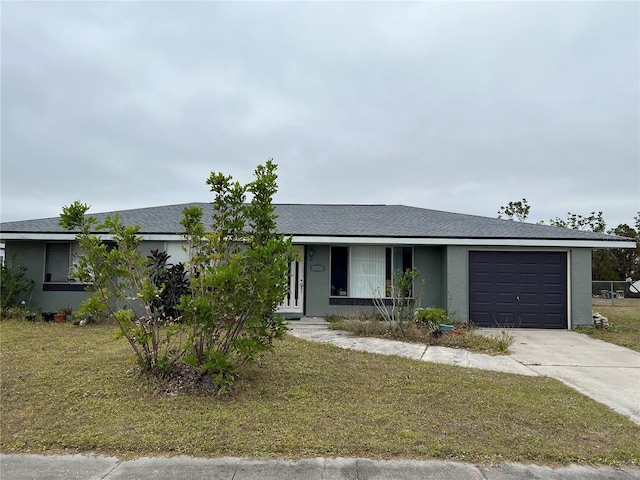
(366, 271)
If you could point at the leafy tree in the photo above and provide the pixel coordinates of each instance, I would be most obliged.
(626, 260)
(607, 264)
(519, 209)
(122, 284)
(237, 276)
(616, 264)
(592, 223)
(603, 265)
(15, 285)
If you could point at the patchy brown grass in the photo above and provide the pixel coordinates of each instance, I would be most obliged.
(70, 389)
(624, 324)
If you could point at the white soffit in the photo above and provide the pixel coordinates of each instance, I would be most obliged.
(318, 240)
(68, 237)
(484, 242)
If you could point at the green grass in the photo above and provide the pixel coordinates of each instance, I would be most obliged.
(72, 389)
(461, 337)
(624, 325)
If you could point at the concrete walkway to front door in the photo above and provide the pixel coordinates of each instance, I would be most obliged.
(603, 371)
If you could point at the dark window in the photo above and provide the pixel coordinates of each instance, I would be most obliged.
(57, 262)
(339, 271)
(407, 258)
(388, 272)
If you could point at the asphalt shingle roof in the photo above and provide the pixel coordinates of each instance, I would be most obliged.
(342, 221)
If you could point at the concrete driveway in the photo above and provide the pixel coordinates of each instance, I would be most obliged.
(603, 371)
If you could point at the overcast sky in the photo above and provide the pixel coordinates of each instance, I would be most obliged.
(453, 106)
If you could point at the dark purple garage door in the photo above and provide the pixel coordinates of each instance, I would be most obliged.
(518, 289)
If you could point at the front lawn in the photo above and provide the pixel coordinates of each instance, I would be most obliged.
(71, 389)
(624, 325)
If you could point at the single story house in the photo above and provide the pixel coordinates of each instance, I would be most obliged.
(494, 272)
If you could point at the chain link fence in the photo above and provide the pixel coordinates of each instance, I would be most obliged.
(613, 293)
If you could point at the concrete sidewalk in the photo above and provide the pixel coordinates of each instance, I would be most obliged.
(86, 467)
(605, 372)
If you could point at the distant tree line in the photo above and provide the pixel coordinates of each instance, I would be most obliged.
(607, 264)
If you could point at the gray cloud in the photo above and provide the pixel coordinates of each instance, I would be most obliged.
(453, 106)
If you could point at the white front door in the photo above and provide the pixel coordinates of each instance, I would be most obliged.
(294, 301)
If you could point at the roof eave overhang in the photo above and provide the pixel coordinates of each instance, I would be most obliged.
(354, 240)
(63, 236)
(480, 242)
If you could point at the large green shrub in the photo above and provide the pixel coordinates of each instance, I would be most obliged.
(237, 276)
(15, 285)
(122, 284)
(431, 319)
(432, 316)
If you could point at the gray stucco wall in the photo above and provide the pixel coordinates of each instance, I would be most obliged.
(457, 280)
(580, 287)
(31, 254)
(428, 260)
(430, 284)
(443, 281)
(579, 282)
